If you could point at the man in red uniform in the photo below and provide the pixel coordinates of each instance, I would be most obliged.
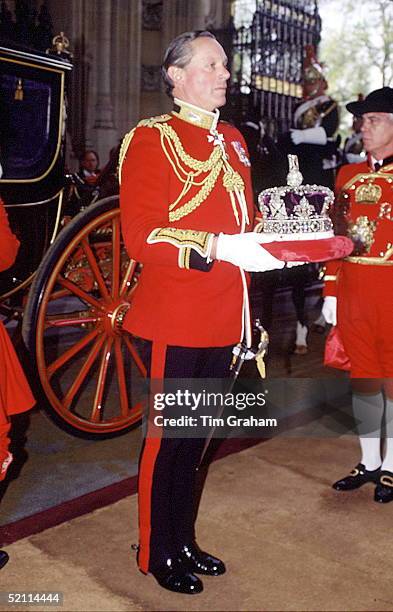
(361, 289)
(187, 214)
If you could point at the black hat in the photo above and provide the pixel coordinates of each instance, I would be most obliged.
(378, 101)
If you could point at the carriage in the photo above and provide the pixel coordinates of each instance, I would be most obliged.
(71, 282)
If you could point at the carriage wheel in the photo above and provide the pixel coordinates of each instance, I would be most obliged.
(89, 368)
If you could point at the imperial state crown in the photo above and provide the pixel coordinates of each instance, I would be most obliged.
(297, 217)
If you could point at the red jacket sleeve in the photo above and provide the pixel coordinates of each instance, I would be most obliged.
(9, 243)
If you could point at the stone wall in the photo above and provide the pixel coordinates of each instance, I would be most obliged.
(118, 47)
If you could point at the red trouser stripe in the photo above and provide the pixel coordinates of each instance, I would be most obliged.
(147, 463)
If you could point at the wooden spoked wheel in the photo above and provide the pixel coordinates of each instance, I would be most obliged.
(89, 368)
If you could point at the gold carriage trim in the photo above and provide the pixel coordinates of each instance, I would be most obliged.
(181, 238)
(368, 193)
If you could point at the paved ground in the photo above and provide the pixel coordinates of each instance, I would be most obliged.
(289, 540)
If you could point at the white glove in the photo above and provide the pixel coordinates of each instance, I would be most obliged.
(315, 135)
(354, 158)
(244, 251)
(294, 264)
(329, 309)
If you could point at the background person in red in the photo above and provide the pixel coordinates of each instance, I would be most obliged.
(360, 288)
(187, 214)
(15, 394)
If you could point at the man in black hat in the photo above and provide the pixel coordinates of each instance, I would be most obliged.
(359, 291)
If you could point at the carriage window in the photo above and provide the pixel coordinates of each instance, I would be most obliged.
(26, 145)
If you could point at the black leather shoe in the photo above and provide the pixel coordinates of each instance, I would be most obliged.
(357, 478)
(200, 562)
(3, 558)
(384, 489)
(176, 577)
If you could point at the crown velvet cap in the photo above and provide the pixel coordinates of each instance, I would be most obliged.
(378, 101)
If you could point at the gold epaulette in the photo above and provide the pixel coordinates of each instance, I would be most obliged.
(125, 143)
(128, 137)
(153, 120)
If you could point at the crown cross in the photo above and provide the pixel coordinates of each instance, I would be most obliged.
(304, 209)
(216, 138)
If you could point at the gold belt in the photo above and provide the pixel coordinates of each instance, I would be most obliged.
(370, 261)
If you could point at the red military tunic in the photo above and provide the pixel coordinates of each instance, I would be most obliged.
(173, 200)
(363, 282)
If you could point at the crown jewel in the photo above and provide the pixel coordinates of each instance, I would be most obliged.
(296, 211)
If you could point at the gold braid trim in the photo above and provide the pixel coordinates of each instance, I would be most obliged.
(329, 110)
(197, 240)
(184, 257)
(191, 162)
(129, 136)
(383, 173)
(125, 143)
(151, 121)
(200, 197)
(178, 158)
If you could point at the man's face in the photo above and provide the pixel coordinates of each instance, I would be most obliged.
(90, 162)
(203, 82)
(377, 132)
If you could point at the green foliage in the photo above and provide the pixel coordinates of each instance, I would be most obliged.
(357, 47)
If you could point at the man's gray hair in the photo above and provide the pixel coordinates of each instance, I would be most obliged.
(179, 53)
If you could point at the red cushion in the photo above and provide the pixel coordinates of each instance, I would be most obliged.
(311, 250)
